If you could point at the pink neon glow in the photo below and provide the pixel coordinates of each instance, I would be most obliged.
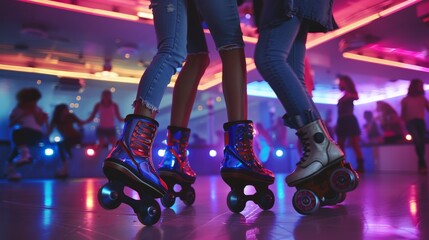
(385, 62)
(413, 202)
(87, 10)
(399, 51)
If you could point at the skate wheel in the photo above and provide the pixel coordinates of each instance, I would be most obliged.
(305, 202)
(333, 199)
(168, 200)
(189, 197)
(109, 196)
(343, 180)
(236, 202)
(149, 212)
(266, 200)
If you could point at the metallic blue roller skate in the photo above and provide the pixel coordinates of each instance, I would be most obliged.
(240, 167)
(175, 169)
(129, 163)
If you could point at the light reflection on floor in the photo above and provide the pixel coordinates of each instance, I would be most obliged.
(385, 206)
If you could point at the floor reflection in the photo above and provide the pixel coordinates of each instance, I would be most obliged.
(385, 206)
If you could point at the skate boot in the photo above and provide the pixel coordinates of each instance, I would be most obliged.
(240, 167)
(322, 177)
(24, 157)
(129, 164)
(63, 171)
(175, 169)
(11, 174)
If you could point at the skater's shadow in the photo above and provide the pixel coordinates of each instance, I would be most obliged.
(257, 226)
(149, 232)
(175, 223)
(336, 222)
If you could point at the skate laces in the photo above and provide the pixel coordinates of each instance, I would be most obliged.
(141, 139)
(305, 141)
(244, 145)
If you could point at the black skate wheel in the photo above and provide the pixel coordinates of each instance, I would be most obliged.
(266, 200)
(109, 196)
(149, 212)
(343, 180)
(168, 200)
(189, 197)
(305, 202)
(333, 198)
(236, 202)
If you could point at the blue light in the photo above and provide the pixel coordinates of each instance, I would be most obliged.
(49, 152)
(161, 152)
(279, 153)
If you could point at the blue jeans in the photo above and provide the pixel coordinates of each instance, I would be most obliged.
(170, 26)
(221, 17)
(279, 57)
(223, 20)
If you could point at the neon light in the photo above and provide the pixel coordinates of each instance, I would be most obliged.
(87, 10)
(384, 62)
(358, 24)
(89, 194)
(49, 152)
(326, 95)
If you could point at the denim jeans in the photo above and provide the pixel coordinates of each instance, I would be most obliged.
(221, 17)
(170, 26)
(279, 57)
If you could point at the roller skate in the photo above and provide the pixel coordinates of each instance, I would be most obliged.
(322, 177)
(11, 174)
(129, 164)
(24, 156)
(175, 169)
(240, 167)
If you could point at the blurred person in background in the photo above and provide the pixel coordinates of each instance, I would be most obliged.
(413, 108)
(65, 121)
(26, 121)
(107, 111)
(390, 123)
(347, 123)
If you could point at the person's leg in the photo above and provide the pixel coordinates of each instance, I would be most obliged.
(421, 146)
(240, 162)
(224, 24)
(131, 157)
(64, 148)
(22, 138)
(275, 49)
(170, 25)
(417, 130)
(174, 167)
(100, 136)
(355, 142)
(197, 61)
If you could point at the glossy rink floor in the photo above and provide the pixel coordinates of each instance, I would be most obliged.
(385, 206)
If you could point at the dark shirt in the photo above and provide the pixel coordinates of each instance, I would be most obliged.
(316, 13)
(345, 106)
(66, 126)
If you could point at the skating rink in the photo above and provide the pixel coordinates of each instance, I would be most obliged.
(384, 206)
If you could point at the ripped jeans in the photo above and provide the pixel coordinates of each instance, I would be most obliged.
(174, 29)
(169, 17)
(221, 17)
